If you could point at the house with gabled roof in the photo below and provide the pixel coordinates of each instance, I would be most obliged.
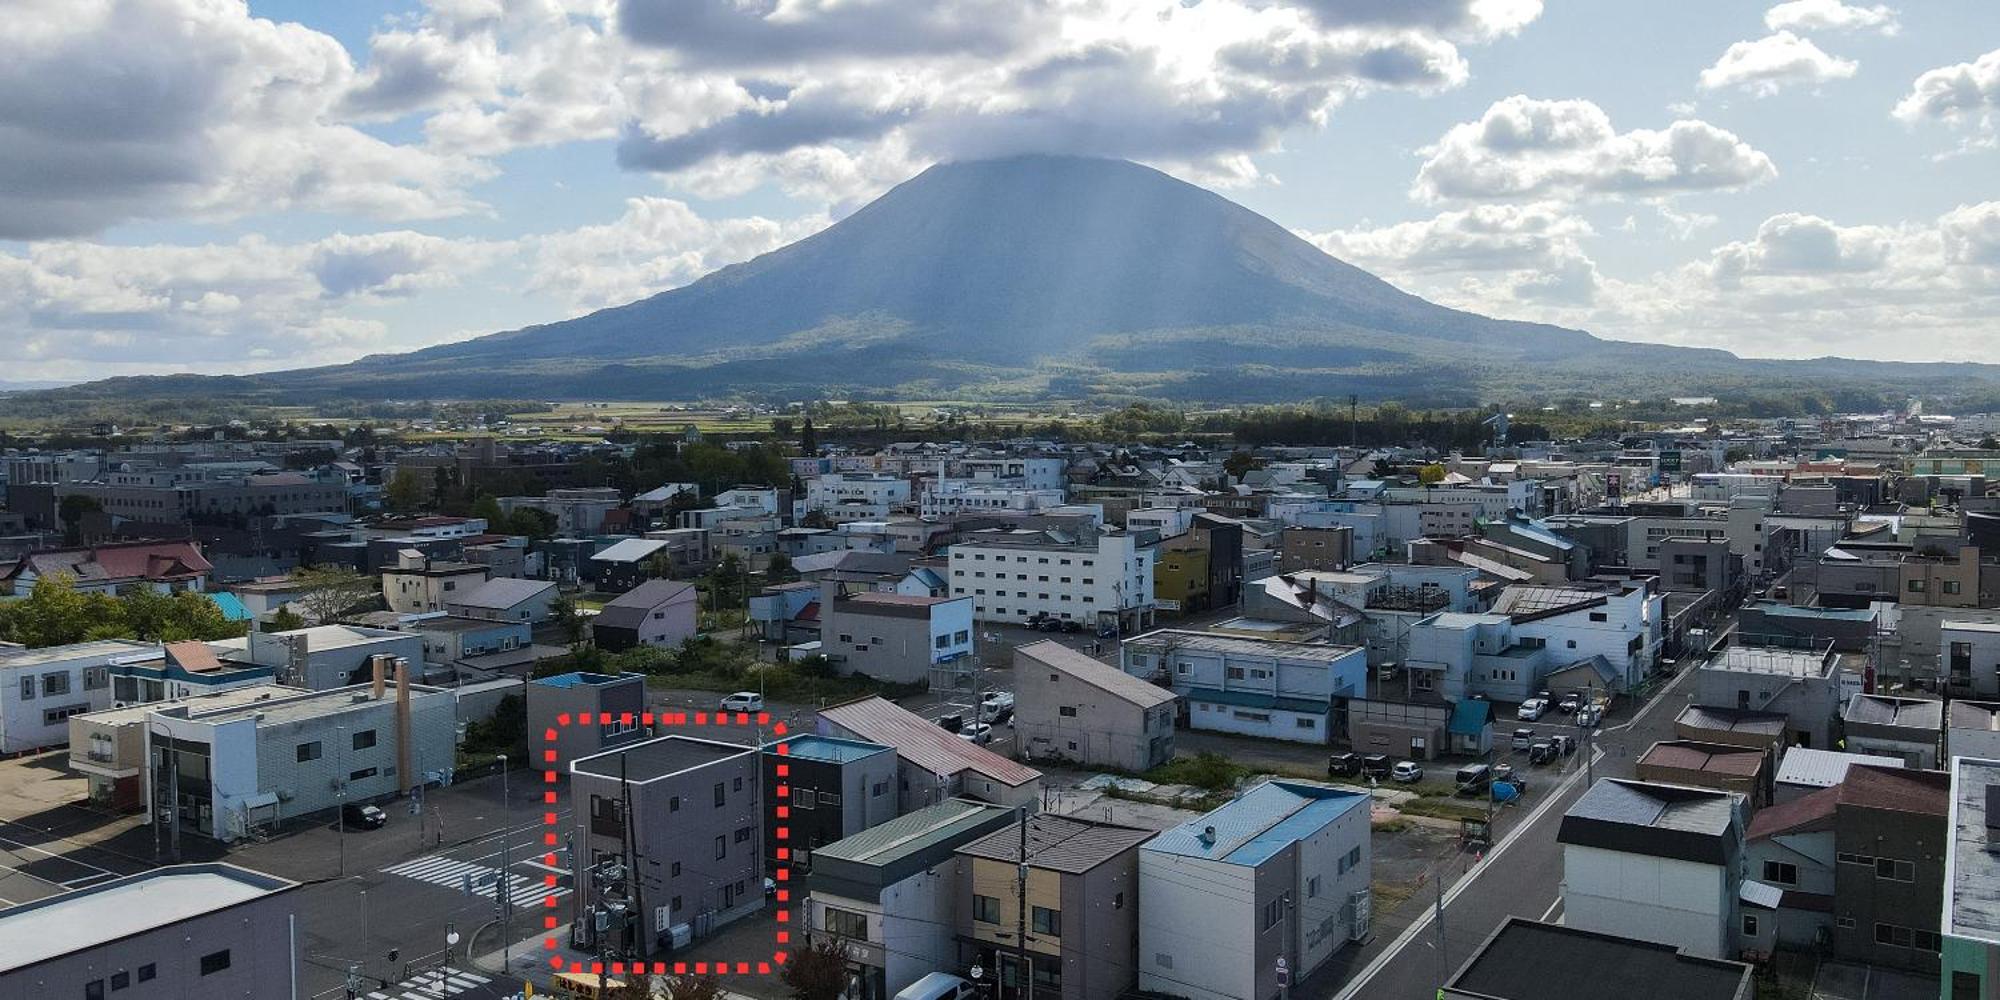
(112, 568)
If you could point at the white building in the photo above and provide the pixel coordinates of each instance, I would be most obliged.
(1029, 473)
(856, 496)
(945, 497)
(1100, 578)
(1278, 876)
(1969, 657)
(1661, 863)
(1252, 687)
(41, 688)
(1508, 653)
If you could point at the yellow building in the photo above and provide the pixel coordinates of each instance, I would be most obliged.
(1180, 579)
(1082, 931)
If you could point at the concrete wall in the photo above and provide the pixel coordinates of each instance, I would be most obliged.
(255, 936)
(1197, 928)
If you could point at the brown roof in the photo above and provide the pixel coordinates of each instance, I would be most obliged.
(1893, 789)
(1059, 843)
(193, 656)
(1715, 758)
(922, 742)
(125, 561)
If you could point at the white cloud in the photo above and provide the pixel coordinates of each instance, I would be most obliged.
(1495, 257)
(1830, 15)
(113, 110)
(1951, 93)
(1806, 245)
(1771, 63)
(84, 308)
(1524, 148)
(657, 244)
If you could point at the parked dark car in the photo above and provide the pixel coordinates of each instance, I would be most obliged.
(1071, 625)
(952, 723)
(1048, 625)
(1564, 743)
(1377, 765)
(1343, 765)
(1542, 752)
(363, 817)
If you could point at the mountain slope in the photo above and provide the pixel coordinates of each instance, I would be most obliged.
(1044, 277)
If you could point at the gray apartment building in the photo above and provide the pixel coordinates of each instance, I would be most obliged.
(214, 931)
(836, 788)
(1804, 685)
(696, 813)
(605, 698)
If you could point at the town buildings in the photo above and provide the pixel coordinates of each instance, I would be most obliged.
(1074, 708)
(1659, 863)
(1102, 578)
(1233, 683)
(657, 613)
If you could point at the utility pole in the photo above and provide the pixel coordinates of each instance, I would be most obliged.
(1021, 966)
(1444, 967)
(637, 904)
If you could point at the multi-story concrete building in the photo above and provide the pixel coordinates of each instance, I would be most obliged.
(417, 583)
(198, 493)
(1969, 655)
(1308, 548)
(318, 657)
(208, 930)
(1030, 473)
(577, 512)
(247, 763)
(1533, 631)
(1102, 578)
(837, 787)
(614, 705)
(1803, 684)
(889, 895)
(1278, 876)
(1657, 863)
(841, 497)
(1075, 708)
(1969, 931)
(1910, 729)
(696, 814)
(1272, 688)
(40, 689)
(893, 637)
(1079, 938)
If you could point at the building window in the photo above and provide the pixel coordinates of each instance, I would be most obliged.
(986, 909)
(1306, 722)
(120, 980)
(1966, 986)
(1781, 872)
(362, 775)
(55, 684)
(309, 751)
(738, 786)
(1048, 976)
(1916, 587)
(847, 924)
(364, 739)
(212, 962)
(1899, 871)
(1855, 859)
(674, 804)
(721, 848)
(720, 794)
(1067, 711)
(675, 871)
(1043, 920)
(802, 798)
(1845, 923)
(743, 834)
(146, 973)
(1749, 925)
(1274, 911)
(93, 990)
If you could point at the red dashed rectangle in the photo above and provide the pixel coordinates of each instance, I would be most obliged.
(781, 874)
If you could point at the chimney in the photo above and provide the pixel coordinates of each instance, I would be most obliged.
(1207, 837)
(405, 779)
(378, 664)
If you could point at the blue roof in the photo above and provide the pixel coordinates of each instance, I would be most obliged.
(571, 680)
(1260, 823)
(231, 605)
(831, 749)
(1470, 716)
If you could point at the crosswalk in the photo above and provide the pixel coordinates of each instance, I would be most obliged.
(431, 985)
(451, 873)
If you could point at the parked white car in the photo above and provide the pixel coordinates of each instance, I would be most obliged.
(1532, 709)
(976, 732)
(743, 701)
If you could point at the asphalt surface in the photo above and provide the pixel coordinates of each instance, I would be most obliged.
(1522, 876)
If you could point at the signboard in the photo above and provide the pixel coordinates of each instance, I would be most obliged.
(1165, 604)
(1670, 460)
(1614, 485)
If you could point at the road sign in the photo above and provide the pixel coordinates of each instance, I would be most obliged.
(1670, 460)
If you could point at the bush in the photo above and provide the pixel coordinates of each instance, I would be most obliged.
(1208, 770)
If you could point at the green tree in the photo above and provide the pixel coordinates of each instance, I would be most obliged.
(284, 620)
(1431, 475)
(779, 569)
(55, 613)
(1240, 462)
(327, 592)
(487, 508)
(533, 522)
(817, 971)
(725, 583)
(406, 491)
(71, 512)
(567, 617)
(808, 439)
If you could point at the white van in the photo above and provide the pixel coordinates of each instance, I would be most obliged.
(938, 986)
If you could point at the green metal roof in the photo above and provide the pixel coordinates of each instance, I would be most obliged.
(908, 834)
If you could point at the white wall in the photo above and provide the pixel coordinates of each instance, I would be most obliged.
(1665, 900)
(1201, 917)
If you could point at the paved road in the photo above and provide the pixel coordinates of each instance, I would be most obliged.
(1523, 876)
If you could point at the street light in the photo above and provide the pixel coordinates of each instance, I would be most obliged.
(503, 780)
(450, 942)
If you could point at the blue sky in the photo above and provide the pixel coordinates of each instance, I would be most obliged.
(201, 185)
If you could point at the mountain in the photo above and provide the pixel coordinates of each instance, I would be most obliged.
(1043, 276)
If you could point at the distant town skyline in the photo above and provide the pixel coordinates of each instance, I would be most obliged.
(201, 186)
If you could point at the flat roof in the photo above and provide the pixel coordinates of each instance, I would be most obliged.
(830, 749)
(1824, 768)
(1971, 871)
(75, 651)
(134, 714)
(320, 638)
(660, 758)
(86, 918)
(1210, 642)
(1765, 660)
(281, 705)
(1529, 960)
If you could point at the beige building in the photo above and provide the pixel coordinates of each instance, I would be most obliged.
(1071, 707)
(417, 584)
(1082, 929)
(1303, 548)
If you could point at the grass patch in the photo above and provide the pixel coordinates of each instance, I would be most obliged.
(1443, 809)
(1389, 895)
(704, 664)
(1208, 770)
